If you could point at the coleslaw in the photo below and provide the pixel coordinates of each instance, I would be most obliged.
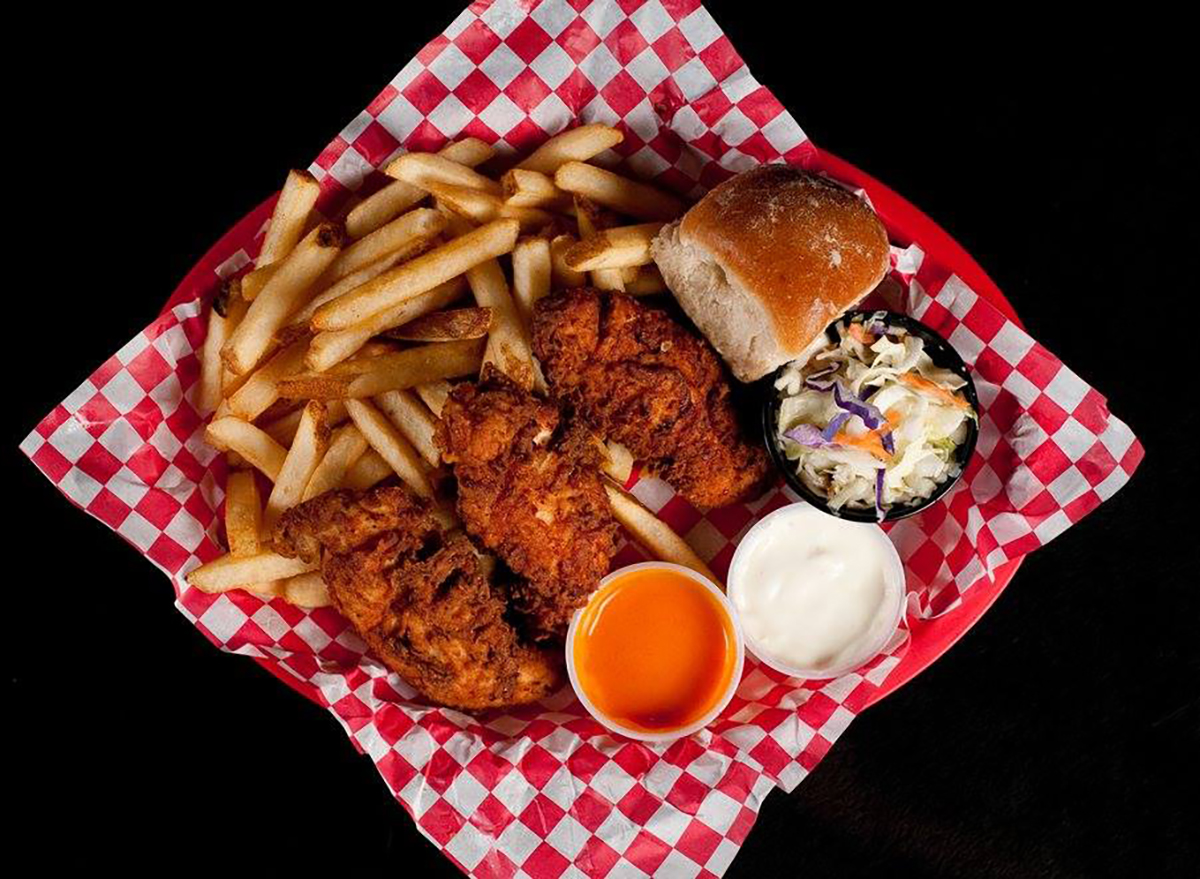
(871, 421)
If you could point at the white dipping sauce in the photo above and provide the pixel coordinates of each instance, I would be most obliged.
(815, 593)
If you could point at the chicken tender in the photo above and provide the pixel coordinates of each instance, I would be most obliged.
(529, 489)
(419, 596)
(639, 378)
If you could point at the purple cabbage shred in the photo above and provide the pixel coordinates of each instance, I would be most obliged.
(880, 512)
(869, 414)
(808, 435)
(834, 426)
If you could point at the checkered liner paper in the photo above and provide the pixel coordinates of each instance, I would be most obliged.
(543, 791)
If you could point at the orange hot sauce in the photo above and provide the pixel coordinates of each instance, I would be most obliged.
(654, 650)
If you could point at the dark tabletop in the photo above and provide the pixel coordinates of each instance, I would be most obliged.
(1056, 739)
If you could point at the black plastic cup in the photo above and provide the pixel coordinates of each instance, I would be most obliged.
(943, 355)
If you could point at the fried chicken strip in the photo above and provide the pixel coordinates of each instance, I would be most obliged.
(529, 489)
(419, 596)
(639, 378)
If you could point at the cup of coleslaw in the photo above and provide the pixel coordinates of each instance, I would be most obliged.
(877, 424)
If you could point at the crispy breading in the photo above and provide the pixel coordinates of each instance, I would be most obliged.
(419, 596)
(639, 378)
(529, 489)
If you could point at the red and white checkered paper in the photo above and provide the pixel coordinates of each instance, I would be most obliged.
(544, 791)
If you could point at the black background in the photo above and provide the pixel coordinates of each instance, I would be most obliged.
(1057, 739)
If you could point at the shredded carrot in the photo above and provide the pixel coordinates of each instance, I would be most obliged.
(856, 331)
(869, 442)
(923, 384)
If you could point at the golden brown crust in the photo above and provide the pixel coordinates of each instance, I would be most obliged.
(639, 378)
(529, 489)
(420, 597)
(805, 247)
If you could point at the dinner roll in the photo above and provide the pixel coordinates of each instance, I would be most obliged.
(767, 260)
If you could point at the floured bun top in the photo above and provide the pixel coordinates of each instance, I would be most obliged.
(768, 259)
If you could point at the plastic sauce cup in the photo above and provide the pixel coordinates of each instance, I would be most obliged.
(655, 647)
(888, 615)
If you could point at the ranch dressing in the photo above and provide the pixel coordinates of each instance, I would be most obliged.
(816, 595)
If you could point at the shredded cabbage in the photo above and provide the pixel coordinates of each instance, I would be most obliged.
(881, 368)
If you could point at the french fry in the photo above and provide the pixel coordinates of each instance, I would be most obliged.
(414, 366)
(305, 590)
(391, 446)
(234, 572)
(423, 169)
(296, 201)
(470, 151)
(282, 295)
(562, 276)
(445, 326)
(653, 533)
(283, 429)
(532, 189)
(329, 386)
(253, 282)
(483, 207)
(617, 462)
(346, 446)
(268, 590)
(577, 145)
(649, 281)
(261, 389)
(308, 447)
(388, 292)
(592, 219)
(332, 347)
(617, 248)
(531, 219)
(302, 318)
(243, 513)
(381, 207)
(531, 276)
(617, 192)
(258, 449)
(398, 196)
(414, 420)
(236, 307)
(369, 469)
(317, 386)
(507, 344)
(608, 279)
(404, 232)
(212, 367)
(434, 394)
(458, 225)
(476, 205)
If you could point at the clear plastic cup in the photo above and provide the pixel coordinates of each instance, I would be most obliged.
(718, 706)
(873, 642)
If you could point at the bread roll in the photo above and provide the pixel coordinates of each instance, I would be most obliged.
(767, 260)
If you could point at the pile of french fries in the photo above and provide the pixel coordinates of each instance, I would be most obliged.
(327, 366)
